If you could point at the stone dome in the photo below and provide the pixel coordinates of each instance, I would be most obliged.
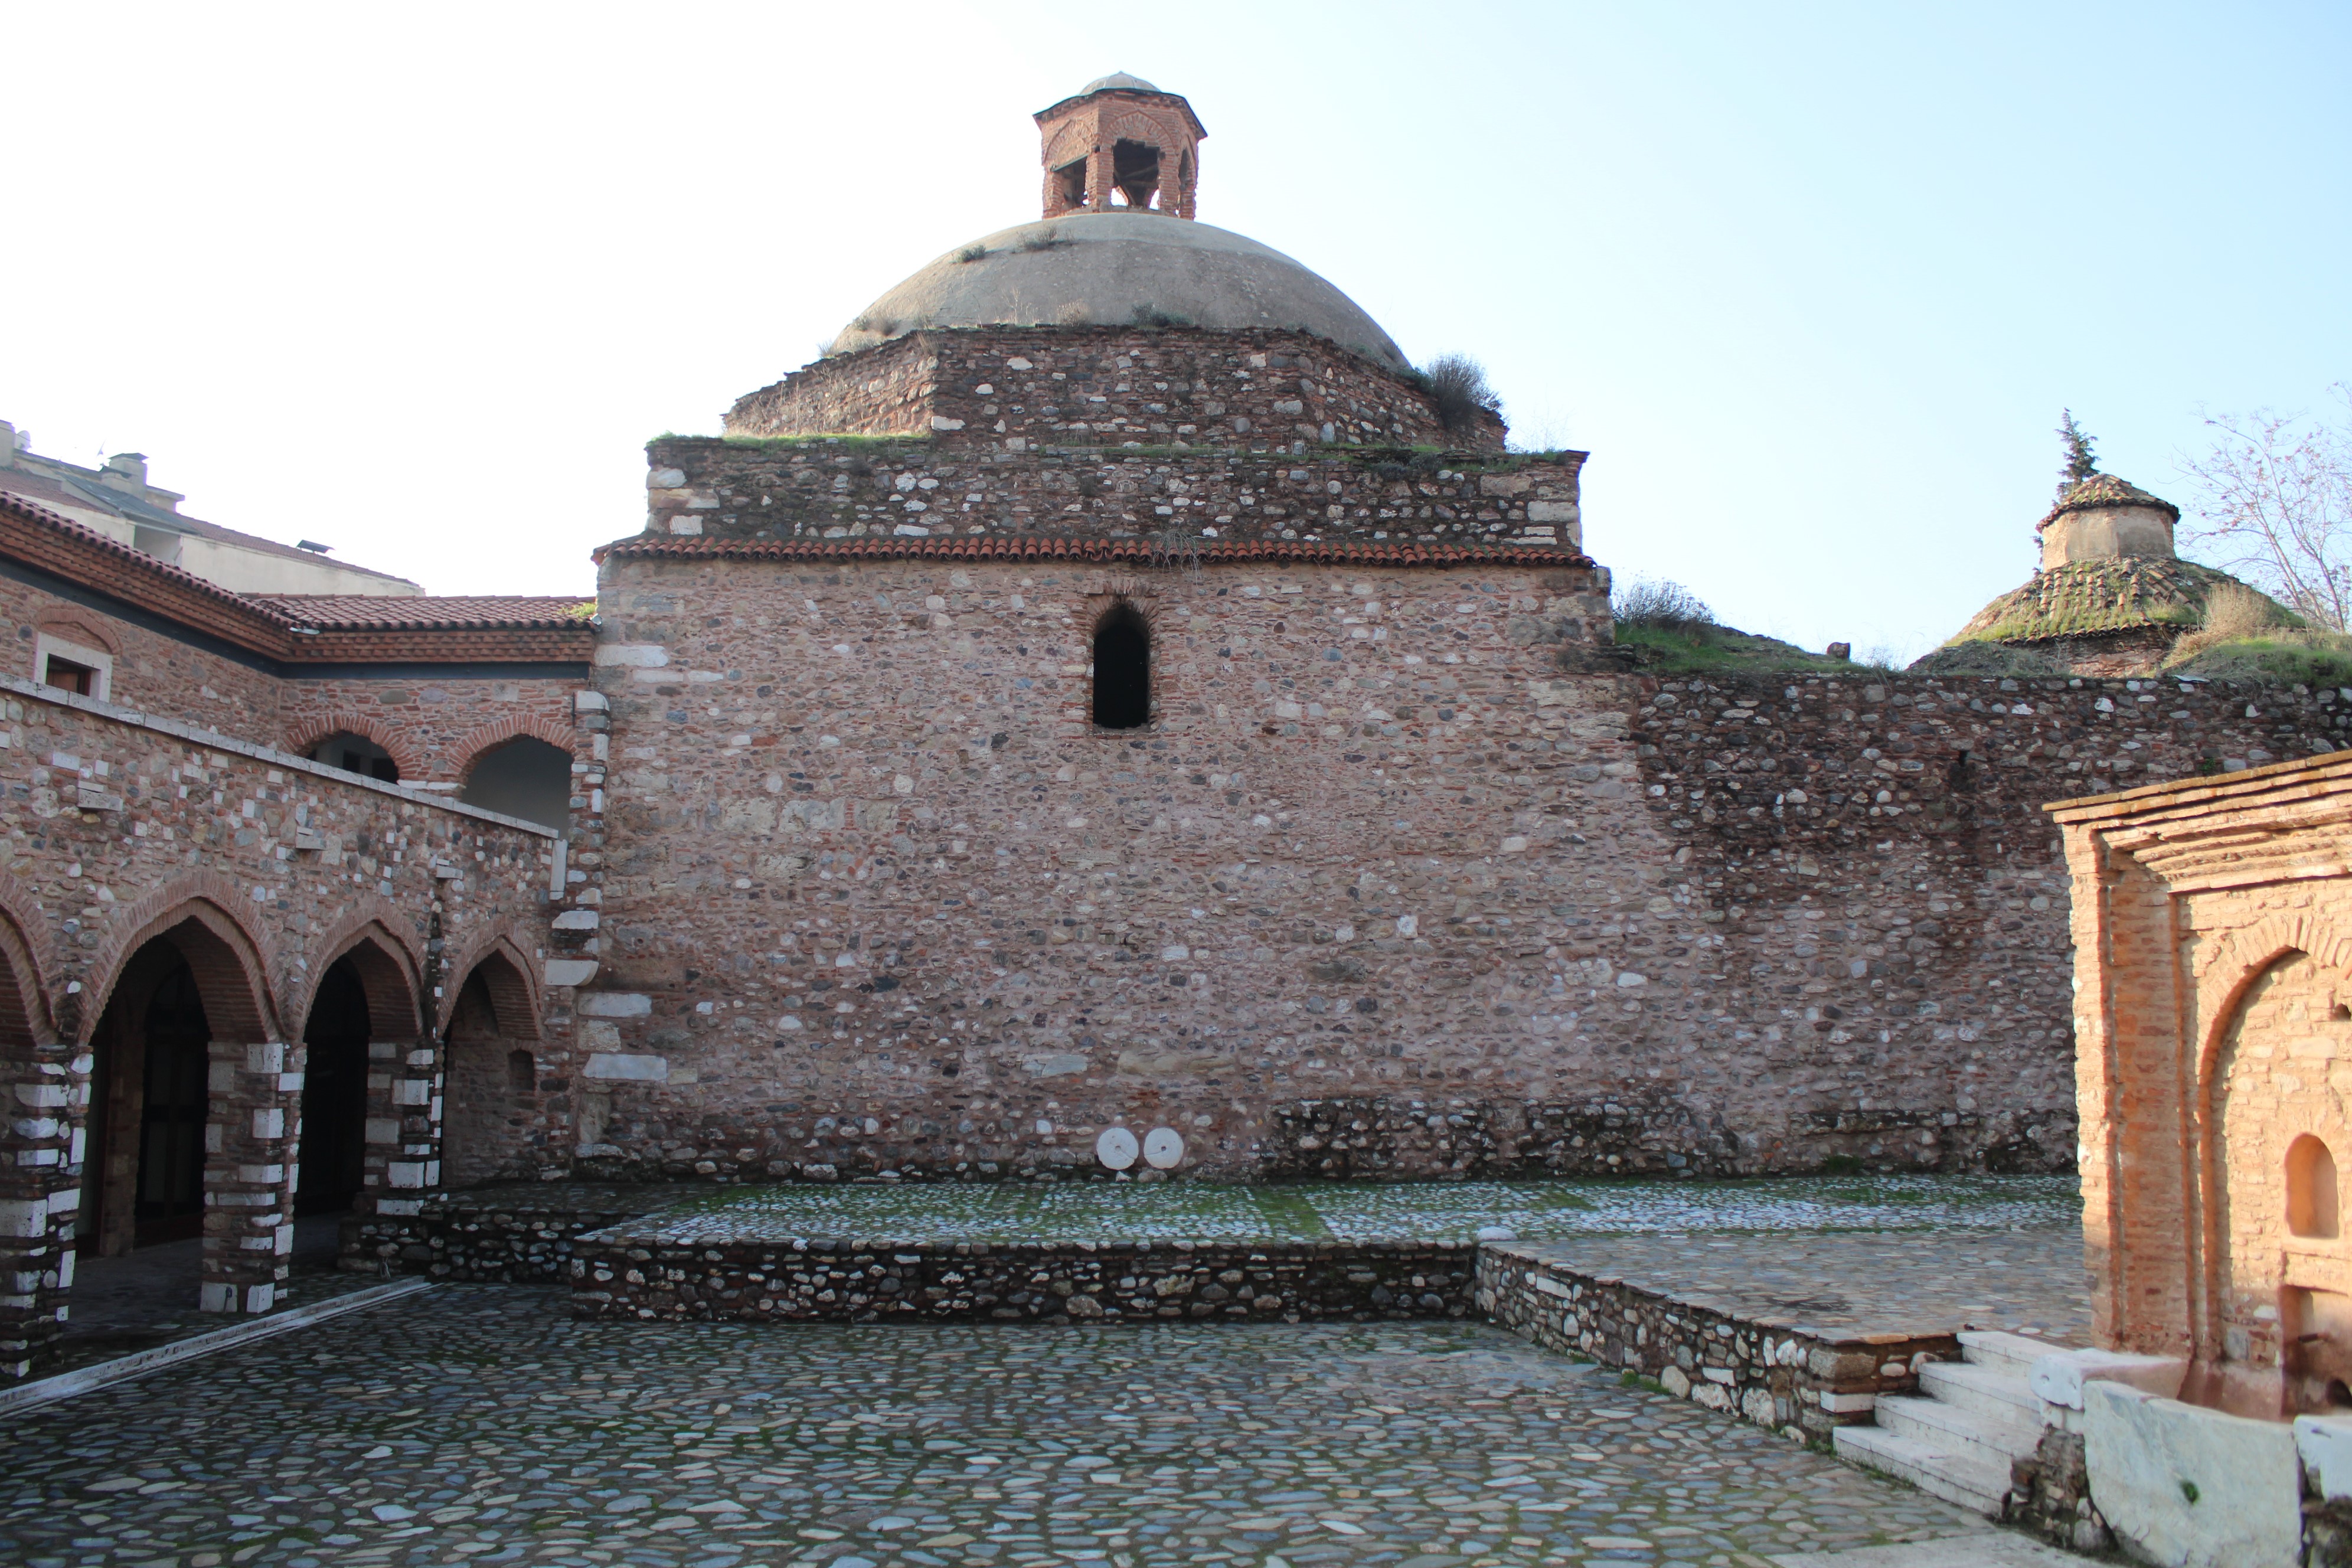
(1120, 268)
(1116, 79)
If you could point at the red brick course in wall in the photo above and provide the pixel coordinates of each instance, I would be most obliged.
(436, 727)
(1020, 388)
(262, 870)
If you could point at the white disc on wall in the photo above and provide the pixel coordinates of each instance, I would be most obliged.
(1164, 1147)
(1115, 1148)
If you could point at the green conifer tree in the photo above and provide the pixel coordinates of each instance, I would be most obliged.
(2081, 461)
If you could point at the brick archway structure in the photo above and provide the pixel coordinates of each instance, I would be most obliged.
(397, 1109)
(373, 935)
(513, 988)
(231, 963)
(395, 740)
(483, 738)
(490, 1049)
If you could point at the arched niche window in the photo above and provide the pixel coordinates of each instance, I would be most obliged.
(356, 755)
(523, 777)
(1122, 697)
(2310, 1188)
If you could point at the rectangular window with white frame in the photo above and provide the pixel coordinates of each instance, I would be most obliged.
(71, 667)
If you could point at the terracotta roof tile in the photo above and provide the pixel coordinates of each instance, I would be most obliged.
(1210, 551)
(2104, 490)
(429, 612)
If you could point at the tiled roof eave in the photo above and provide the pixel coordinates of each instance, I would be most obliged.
(1140, 552)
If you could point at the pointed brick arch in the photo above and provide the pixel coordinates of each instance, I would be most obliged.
(374, 934)
(2228, 968)
(230, 962)
(507, 975)
(394, 739)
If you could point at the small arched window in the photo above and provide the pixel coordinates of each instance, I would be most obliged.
(1122, 670)
(523, 777)
(356, 755)
(2310, 1188)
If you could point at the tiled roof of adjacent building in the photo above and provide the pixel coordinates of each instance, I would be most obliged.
(303, 628)
(1140, 552)
(430, 612)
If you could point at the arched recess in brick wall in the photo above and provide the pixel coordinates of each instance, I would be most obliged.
(188, 979)
(393, 741)
(491, 1099)
(519, 766)
(2280, 1014)
(360, 1035)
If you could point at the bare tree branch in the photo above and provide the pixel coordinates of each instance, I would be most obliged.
(2274, 505)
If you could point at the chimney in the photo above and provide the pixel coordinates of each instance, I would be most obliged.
(125, 471)
(9, 441)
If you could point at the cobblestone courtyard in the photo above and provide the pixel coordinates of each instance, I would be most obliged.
(480, 1424)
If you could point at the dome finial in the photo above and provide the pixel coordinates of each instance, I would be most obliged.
(1121, 144)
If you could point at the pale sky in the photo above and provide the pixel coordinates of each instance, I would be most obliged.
(1811, 282)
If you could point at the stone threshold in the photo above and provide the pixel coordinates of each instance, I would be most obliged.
(83, 1380)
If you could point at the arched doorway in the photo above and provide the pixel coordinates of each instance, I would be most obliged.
(523, 777)
(144, 1166)
(334, 1157)
(1122, 670)
(492, 1099)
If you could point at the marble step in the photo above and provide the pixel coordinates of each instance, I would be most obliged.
(2002, 1395)
(1932, 1421)
(1945, 1472)
(2011, 1353)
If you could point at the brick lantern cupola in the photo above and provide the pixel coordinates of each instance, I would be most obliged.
(1121, 144)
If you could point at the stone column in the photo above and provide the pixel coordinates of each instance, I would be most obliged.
(40, 1191)
(250, 1149)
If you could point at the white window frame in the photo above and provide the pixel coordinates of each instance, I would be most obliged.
(96, 659)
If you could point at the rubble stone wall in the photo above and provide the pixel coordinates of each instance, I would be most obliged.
(615, 1275)
(807, 489)
(1011, 388)
(1792, 1380)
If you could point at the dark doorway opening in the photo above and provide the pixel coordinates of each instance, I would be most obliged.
(148, 1103)
(334, 1094)
(356, 755)
(1135, 171)
(1122, 670)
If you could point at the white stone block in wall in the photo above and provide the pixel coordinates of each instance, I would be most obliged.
(405, 1173)
(2058, 1378)
(626, 1066)
(41, 1094)
(22, 1219)
(1551, 512)
(261, 1176)
(2324, 1443)
(382, 1130)
(615, 1004)
(633, 654)
(65, 1201)
(265, 1059)
(665, 479)
(214, 1297)
(570, 971)
(687, 525)
(577, 920)
(268, 1124)
(412, 1091)
(399, 1208)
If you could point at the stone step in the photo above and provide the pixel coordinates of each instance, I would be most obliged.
(2013, 1353)
(2002, 1395)
(1944, 1472)
(1932, 1421)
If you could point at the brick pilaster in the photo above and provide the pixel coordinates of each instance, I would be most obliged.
(40, 1191)
(250, 1151)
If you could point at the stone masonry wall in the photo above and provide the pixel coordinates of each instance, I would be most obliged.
(1011, 388)
(792, 489)
(1792, 1380)
(616, 1274)
(115, 826)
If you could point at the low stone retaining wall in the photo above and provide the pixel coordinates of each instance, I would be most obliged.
(1799, 1382)
(521, 1235)
(856, 1281)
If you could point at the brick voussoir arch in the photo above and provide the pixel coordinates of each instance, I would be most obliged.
(514, 998)
(234, 980)
(404, 755)
(479, 741)
(2228, 969)
(394, 980)
(28, 950)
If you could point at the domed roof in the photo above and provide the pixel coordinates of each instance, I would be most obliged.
(2110, 594)
(1116, 79)
(1117, 268)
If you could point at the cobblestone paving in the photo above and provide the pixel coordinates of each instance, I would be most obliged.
(477, 1424)
(1428, 1211)
(2024, 1282)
